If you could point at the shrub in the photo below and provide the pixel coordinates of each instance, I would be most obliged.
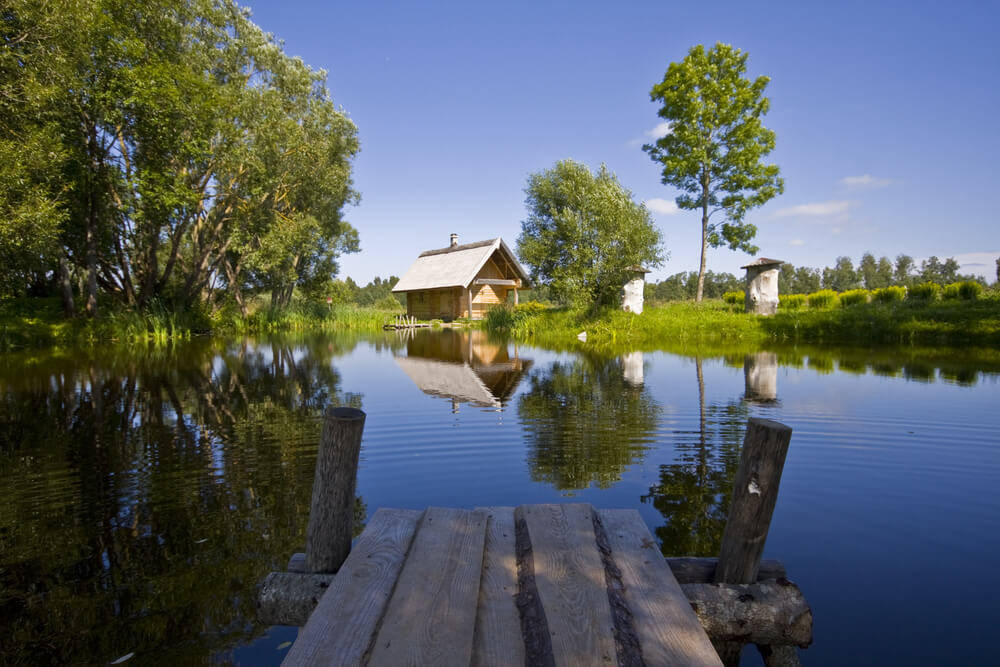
(969, 290)
(824, 298)
(389, 302)
(734, 298)
(791, 301)
(924, 292)
(853, 297)
(889, 294)
(503, 317)
(531, 307)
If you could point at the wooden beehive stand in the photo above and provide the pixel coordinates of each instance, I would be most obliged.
(559, 584)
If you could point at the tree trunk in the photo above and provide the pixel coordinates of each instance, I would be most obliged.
(90, 252)
(704, 235)
(90, 231)
(66, 288)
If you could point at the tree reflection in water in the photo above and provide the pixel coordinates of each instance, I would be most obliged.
(584, 423)
(694, 490)
(144, 495)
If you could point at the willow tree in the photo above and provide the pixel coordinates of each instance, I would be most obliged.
(163, 148)
(582, 232)
(715, 148)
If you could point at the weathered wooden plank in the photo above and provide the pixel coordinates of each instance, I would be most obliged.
(495, 281)
(497, 639)
(570, 580)
(431, 616)
(668, 630)
(344, 622)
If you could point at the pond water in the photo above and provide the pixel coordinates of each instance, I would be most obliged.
(145, 493)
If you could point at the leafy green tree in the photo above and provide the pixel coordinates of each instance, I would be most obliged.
(933, 270)
(875, 274)
(582, 232)
(165, 147)
(716, 144)
(842, 276)
(903, 271)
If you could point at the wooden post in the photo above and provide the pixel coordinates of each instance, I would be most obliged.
(755, 493)
(331, 515)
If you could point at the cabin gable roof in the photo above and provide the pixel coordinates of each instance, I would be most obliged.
(455, 266)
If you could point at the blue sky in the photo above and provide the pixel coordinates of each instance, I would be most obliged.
(884, 114)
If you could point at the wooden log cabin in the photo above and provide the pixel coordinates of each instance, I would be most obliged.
(461, 280)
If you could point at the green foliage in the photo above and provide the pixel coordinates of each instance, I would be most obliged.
(734, 298)
(504, 318)
(684, 285)
(389, 302)
(531, 307)
(842, 276)
(717, 142)
(822, 299)
(163, 145)
(854, 297)
(582, 232)
(889, 294)
(968, 290)
(875, 274)
(798, 280)
(791, 301)
(924, 292)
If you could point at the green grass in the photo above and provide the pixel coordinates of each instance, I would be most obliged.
(40, 323)
(956, 322)
(558, 328)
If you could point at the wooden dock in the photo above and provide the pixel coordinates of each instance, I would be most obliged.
(559, 584)
(539, 584)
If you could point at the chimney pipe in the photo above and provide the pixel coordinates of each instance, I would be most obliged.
(454, 240)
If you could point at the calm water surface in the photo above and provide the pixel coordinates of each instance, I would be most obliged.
(144, 493)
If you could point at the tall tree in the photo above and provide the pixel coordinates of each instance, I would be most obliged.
(185, 150)
(582, 232)
(903, 273)
(716, 144)
(842, 276)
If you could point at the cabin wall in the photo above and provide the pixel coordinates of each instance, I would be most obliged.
(442, 304)
(485, 297)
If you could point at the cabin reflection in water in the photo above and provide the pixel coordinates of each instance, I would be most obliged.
(464, 366)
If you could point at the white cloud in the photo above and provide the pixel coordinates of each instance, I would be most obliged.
(660, 131)
(815, 210)
(865, 182)
(796, 242)
(661, 206)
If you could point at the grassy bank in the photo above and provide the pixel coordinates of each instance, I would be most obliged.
(952, 322)
(40, 322)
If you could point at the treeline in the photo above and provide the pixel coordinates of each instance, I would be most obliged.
(378, 292)
(870, 274)
(165, 152)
